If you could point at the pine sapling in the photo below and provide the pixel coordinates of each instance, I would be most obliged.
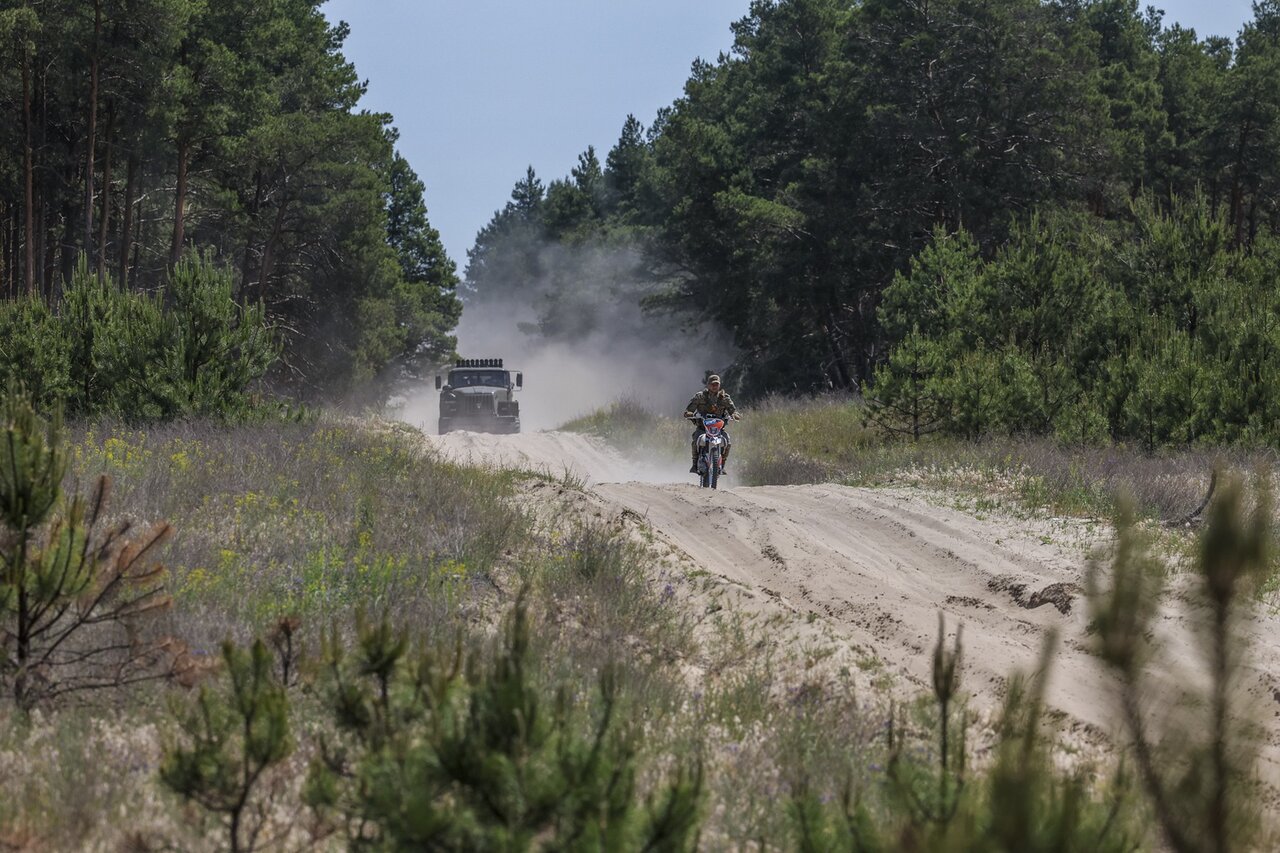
(1202, 793)
(74, 599)
(231, 740)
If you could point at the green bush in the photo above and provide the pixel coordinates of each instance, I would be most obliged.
(1158, 331)
(187, 350)
(466, 750)
(230, 742)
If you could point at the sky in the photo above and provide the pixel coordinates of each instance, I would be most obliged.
(480, 89)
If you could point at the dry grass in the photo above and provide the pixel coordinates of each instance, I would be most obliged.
(785, 442)
(316, 520)
(794, 441)
(327, 519)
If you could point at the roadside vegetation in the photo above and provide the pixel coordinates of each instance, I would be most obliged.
(835, 439)
(227, 624)
(360, 644)
(188, 349)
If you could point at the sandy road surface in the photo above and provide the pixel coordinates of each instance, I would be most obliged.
(877, 565)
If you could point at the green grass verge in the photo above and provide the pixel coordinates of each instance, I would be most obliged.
(795, 441)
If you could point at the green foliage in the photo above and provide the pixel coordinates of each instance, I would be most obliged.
(34, 351)
(849, 172)
(463, 750)
(151, 130)
(230, 742)
(34, 463)
(905, 398)
(74, 600)
(1159, 332)
(187, 350)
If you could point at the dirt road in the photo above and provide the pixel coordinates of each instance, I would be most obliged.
(876, 566)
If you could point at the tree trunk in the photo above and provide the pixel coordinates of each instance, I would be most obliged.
(248, 242)
(93, 127)
(5, 258)
(28, 170)
(70, 247)
(268, 251)
(50, 266)
(180, 204)
(104, 218)
(126, 229)
(15, 261)
(145, 228)
(1237, 183)
(48, 244)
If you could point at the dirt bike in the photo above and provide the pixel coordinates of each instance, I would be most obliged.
(712, 443)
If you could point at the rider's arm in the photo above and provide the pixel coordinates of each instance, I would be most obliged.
(692, 407)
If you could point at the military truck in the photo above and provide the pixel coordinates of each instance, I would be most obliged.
(479, 395)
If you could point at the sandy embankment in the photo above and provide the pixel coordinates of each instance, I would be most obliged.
(875, 567)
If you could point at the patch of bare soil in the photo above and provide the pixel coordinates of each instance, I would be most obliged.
(872, 568)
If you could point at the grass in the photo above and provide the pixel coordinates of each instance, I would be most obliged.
(324, 521)
(634, 430)
(796, 441)
(317, 520)
(330, 519)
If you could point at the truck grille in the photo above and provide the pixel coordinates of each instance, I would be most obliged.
(477, 404)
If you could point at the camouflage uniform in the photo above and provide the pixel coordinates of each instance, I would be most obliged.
(716, 404)
(707, 403)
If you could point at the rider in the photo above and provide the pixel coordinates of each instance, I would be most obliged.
(716, 403)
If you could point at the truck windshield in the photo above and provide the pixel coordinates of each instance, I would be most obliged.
(468, 378)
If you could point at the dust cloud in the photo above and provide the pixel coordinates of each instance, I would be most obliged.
(620, 351)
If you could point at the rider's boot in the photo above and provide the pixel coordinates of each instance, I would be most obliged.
(693, 462)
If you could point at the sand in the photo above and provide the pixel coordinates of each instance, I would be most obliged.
(875, 567)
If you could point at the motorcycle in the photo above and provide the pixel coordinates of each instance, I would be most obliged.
(712, 442)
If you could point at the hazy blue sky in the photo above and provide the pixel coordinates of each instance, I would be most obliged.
(482, 88)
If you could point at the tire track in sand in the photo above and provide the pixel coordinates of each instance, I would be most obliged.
(878, 565)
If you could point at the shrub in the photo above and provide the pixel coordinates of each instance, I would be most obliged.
(190, 349)
(74, 599)
(458, 750)
(1021, 802)
(1198, 766)
(234, 740)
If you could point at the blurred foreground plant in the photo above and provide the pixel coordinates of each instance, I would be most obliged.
(74, 599)
(463, 750)
(1022, 802)
(234, 740)
(1198, 771)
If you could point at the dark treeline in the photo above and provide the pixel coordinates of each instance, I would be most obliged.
(801, 172)
(140, 130)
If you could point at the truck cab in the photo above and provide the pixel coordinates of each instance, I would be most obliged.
(478, 394)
